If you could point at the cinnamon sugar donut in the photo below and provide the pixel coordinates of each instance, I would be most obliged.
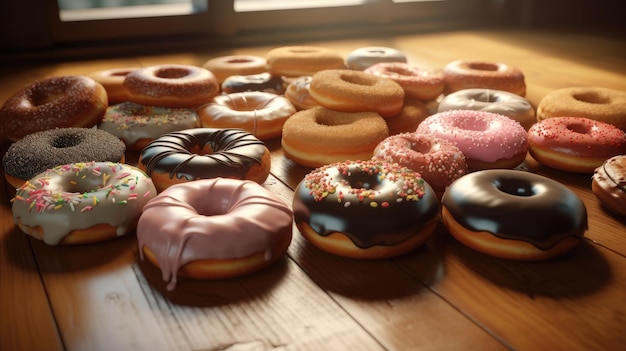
(355, 91)
(225, 66)
(113, 82)
(171, 85)
(319, 136)
(597, 103)
(262, 114)
(460, 74)
(56, 102)
(418, 83)
(296, 61)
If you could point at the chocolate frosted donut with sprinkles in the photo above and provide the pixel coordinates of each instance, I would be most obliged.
(365, 209)
(82, 203)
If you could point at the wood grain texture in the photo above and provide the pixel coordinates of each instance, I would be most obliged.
(442, 296)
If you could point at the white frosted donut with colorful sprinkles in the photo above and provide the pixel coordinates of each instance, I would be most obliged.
(137, 125)
(82, 203)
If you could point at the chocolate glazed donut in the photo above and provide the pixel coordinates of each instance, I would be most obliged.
(516, 205)
(202, 153)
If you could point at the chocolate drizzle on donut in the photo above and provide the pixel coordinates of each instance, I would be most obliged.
(201, 153)
(372, 203)
(516, 205)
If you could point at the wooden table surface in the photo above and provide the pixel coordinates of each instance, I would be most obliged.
(442, 296)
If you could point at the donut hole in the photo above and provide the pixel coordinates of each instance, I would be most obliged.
(515, 187)
(479, 125)
(206, 149)
(362, 181)
(579, 128)
(239, 60)
(591, 98)
(483, 66)
(66, 140)
(358, 79)
(40, 97)
(171, 73)
(421, 147)
(330, 120)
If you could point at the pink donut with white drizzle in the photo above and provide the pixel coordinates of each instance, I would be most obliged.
(438, 161)
(488, 140)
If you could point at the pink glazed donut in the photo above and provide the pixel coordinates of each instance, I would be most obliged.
(488, 140)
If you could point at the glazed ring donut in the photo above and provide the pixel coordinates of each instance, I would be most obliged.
(413, 113)
(575, 144)
(298, 93)
(113, 82)
(489, 100)
(225, 66)
(82, 203)
(171, 85)
(514, 214)
(41, 151)
(259, 113)
(296, 61)
(365, 209)
(609, 184)
(602, 104)
(459, 75)
(355, 91)
(488, 140)
(418, 83)
(202, 153)
(319, 136)
(255, 82)
(362, 58)
(57, 102)
(137, 125)
(214, 228)
(438, 161)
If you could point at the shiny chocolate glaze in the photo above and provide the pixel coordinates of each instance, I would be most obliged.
(516, 205)
(254, 82)
(371, 202)
(201, 153)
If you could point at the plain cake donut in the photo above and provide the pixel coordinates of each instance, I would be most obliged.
(202, 153)
(598, 103)
(461, 74)
(214, 228)
(297, 61)
(38, 152)
(365, 209)
(514, 214)
(56, 102)
(319, 136)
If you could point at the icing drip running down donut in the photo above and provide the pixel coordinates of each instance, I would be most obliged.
(365, 209)
(82, 202)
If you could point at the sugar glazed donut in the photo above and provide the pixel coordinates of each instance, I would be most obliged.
(319, 136)
(460, 74)
(262, 114)
(362, 58)
(137, 125)
(254, 82)
(202, 153)
(418, 83)
(609, 184)
(601, 104)
(298, 93)
(113, 82)
(355, 91)
(171, 86)
(56, 102)
(489, 100)
(41, 151)
(575, 144)
(296, 61)
(488, 140)
(365, 209)
(82, 203)
(225, 66)
(438, 161)
(514, 214)
(214, 228)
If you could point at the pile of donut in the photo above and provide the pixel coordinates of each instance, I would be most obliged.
(393, 149)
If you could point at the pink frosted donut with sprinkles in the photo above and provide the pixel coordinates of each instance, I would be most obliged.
(138, 125)
(365, 209)
(82, 203)
(488, 140)
(438, 161)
